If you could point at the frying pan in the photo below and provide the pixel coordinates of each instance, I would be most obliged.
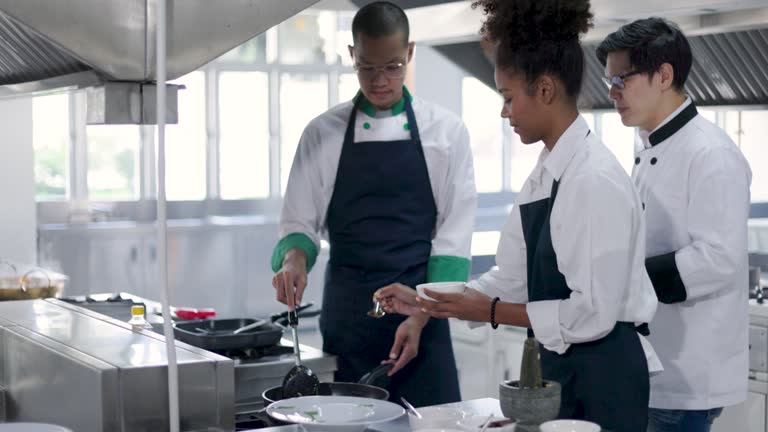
(364, 388)
(218, 334)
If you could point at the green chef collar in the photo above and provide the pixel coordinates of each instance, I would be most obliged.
(370, 110)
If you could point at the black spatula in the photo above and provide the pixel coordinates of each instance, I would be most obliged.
(300, 380)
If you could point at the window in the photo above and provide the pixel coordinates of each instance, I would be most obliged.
(253, 51)
(244, 135)
(50, 139)
(732, 126)
(261, 95)
(113, 152)
(754, 130)
(523, 159)
(480, 111)
(308, 38)
(708, 114)
(619, 139)
(344, 37)
(186, 143)
(348, 87)
(302, 98)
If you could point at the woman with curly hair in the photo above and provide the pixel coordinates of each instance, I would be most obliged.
(570, 261)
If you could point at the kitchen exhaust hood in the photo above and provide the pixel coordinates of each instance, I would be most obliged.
(729, 42)
(108, 47)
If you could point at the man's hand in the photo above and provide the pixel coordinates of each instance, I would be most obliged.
(398, 298)
(406, 345)
(291, 281)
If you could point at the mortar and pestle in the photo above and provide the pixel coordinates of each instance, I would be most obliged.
(531, 400)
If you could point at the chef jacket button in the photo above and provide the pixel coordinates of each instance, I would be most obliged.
(643, 206)
(637, 161)
(654, 160)
(366, 125)
(406, 126)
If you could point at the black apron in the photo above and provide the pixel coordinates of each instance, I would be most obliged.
(380, 222)
(603, 381)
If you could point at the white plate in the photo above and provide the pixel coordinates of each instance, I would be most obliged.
(569, 426)
(334, 413)
(32, 427)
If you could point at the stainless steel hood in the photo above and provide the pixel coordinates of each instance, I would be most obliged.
(729, 42)
(72, 44)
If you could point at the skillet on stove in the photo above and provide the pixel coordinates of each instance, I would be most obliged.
(372, 386)
(218, 334)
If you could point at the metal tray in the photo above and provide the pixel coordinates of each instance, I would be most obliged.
(216, 334)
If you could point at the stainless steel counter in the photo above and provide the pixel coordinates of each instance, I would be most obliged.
(478, 406)
(66, 365)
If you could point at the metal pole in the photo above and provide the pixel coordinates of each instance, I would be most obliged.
(162, 225)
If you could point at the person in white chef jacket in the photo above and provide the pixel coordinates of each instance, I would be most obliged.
(387, 178)
(694, 184)
(570, 260)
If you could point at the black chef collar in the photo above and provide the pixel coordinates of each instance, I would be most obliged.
(674, 125)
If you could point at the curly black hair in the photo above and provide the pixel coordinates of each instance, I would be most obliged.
(536, 37)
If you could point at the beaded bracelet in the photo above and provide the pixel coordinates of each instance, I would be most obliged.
(494, 324)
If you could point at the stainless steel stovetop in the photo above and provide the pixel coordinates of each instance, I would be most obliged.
(256, 369)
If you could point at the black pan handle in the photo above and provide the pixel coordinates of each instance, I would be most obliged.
(284, 315)
(281, 319)
(378, 376)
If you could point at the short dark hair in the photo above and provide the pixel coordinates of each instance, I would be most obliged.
(380, 19)
(650, 43)
(536, 37)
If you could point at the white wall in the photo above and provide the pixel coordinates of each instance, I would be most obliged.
(18, 221)
(437, 79)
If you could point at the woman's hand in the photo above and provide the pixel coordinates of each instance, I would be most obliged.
(470, 305)
(398, 298)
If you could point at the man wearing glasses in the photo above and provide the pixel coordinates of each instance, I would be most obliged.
(387, 179)
(694, 184)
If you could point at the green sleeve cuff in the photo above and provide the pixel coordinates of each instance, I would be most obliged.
(294, 240)
(445, 268)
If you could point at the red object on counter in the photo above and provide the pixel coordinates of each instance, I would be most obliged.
(192, 313)
(206, 313)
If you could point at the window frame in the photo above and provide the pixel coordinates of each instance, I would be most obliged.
(77, 206)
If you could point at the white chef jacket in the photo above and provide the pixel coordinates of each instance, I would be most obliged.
(597, 234)
(447, 152)
(695, 188)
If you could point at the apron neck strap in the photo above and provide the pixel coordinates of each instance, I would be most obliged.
(349, 134)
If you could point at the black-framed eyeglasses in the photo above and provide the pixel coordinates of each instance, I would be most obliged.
(619, 80)
(394, 70)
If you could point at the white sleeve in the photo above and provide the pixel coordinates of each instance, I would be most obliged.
(457, 201)
(718, 209)
(591, 225)
(304, 191)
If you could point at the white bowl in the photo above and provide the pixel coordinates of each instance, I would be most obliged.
(569, 426)
(475, 424)
(436, 417)
(440, 287)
